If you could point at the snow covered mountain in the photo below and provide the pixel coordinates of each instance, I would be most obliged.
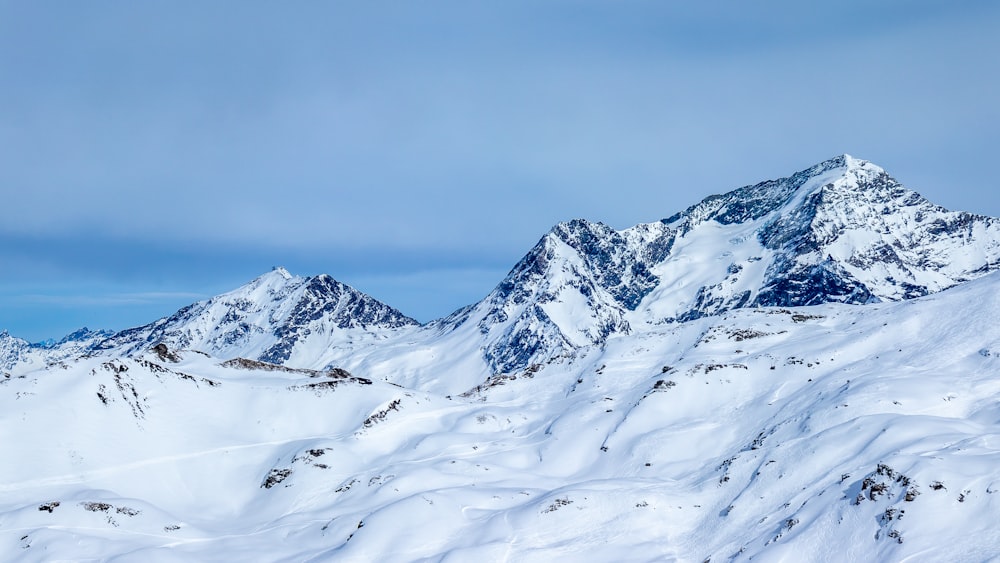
(18, 355)
(798, 370)
(276, 318)
(843, 230)
(840, 231)
(13, 350)
(767, 434)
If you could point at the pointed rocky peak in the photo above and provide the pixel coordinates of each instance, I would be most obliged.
(595, 257)
(841, 231)
(617, 262)
(573, 289)
(851, 162)
(325, 304)
(860, 166)
(13, 350)
(6, 336)
(276, 283)
(281, 272)
(582, 234)
(325, 297)
(266, 319)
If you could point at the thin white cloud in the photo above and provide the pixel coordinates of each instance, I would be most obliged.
(107, 300)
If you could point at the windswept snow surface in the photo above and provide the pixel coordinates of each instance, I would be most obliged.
(835, 431)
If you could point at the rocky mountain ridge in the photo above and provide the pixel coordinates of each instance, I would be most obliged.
(840, 231)
(18, 355)
(267, 319)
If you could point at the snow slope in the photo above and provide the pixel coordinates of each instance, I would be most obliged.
(777, 434)
(840, 231)
(800, 370)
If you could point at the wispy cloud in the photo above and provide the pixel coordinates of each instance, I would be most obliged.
(108, 300)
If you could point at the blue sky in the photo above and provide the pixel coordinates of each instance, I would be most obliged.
(156, 153)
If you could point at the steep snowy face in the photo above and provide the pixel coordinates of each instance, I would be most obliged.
(13, 350)
(880, 240)
(325, 304)
(751, 247)
(750, 203)
(573, 289)
(840, 231)
(269, 319)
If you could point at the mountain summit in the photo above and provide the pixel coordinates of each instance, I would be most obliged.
(840, 231)
(276, 317)
(843, 230)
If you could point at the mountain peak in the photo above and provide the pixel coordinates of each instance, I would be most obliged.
(844, 160)
(857, 165)
(276, 317)
(278, 275)
(842, 230)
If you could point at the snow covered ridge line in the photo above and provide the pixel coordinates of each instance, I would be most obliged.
(620, 396)
(755, 435)
(18, 355)
(275, 318)
(267, 320)
(840, 231)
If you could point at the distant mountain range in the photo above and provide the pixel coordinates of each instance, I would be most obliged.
(840, 231)
(775, 373)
